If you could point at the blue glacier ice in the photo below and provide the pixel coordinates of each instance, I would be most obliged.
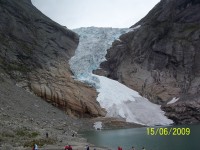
(118, 100)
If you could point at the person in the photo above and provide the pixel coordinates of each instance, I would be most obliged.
(133, 148)
(143, 148)
(36, 147)
(119, 148)
(66, 147)
(87, 147)
(47, 134)
(70, 147)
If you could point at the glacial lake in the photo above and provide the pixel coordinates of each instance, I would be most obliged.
(138, 137)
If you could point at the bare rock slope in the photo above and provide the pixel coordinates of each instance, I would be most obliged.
(35, 53)
(160, 59)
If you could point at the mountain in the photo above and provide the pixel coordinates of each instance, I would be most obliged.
(34, 54)
(118, 100)
(160, 59)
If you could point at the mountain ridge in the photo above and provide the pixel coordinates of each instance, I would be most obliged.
(34, 53)
(160, 59)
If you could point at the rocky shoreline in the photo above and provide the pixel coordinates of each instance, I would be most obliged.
(26, 118)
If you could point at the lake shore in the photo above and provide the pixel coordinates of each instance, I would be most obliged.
(26, 118)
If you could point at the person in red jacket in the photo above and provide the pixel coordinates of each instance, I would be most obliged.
(66, 147)
(119, 148)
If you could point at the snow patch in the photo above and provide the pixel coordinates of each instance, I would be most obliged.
(135, 28)
(174, 100)
(123, 102)
(98, 125)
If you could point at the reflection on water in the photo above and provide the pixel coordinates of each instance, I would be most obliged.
(138, 138)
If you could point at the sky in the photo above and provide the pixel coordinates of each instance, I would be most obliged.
(99, 13)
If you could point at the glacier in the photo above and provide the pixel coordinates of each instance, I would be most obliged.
(118, 100)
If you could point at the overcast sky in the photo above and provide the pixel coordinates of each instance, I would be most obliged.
(99, 13)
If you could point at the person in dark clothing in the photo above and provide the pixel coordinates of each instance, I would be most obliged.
(87, 147)
(70, 147)
(47, 134)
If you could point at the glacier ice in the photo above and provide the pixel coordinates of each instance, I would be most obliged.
(119, 100)
(92, 48)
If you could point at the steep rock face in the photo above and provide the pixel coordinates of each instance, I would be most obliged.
(162, 54)
(34, 52)
(161, 58)
(185, 111)
(58, 88)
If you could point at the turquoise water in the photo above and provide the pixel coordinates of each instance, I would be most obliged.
(137, 137)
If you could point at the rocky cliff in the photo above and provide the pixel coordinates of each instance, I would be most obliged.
(35, 53)
(160, 59)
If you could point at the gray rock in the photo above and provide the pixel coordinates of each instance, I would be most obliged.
(30, 40)
(161, 58)
(35, 51)
(184, 111)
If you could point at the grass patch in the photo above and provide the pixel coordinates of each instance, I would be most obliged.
(34, 134)
(191, 27)
(40, 142)
(7, 134)
(26, 133)
(21, 133)
(1, 139)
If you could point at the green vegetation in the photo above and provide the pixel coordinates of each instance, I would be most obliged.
(39, 142)
(1, 139)
(191, 27)
(21, 133)
(34, 134)
(17, 67)
(25, 137)
(26, 133)
(25, 47)
(7, 135)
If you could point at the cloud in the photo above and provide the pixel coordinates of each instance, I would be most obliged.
(101, 13)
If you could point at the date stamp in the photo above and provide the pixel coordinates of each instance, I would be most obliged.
(168, 131)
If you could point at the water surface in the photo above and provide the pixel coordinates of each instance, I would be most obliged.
(138, 138)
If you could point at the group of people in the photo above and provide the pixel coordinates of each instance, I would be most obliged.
(133, 148)
(68, 147)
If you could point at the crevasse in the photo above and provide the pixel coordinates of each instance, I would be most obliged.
(119, 100)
